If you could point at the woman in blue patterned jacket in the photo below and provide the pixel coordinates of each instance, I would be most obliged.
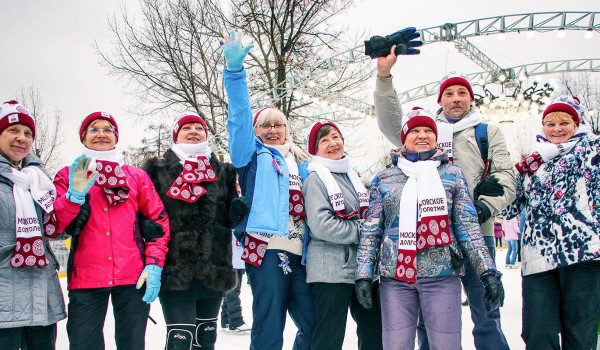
(559, 188)
(419, 220)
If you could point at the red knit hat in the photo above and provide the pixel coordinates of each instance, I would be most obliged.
(12, 112)
(566, 104)
(454, 78)
(417, 117)
(98, 115)
(184, 118)
(310, 138)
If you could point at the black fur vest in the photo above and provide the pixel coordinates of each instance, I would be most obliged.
(200, 245)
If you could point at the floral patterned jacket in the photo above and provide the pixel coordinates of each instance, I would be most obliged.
(377, 250)
(562, 209)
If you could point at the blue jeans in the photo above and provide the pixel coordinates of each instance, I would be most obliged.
(487, 332)
(511, 255)
(566, 301)
(276, 292)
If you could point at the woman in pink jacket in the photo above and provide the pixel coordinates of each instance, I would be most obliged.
(99, 198)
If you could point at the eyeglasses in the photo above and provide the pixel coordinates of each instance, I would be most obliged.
(277, 127)
(94, 131)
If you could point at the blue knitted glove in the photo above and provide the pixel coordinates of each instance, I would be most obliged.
(234, 52)
(79, 182)
(151, 275)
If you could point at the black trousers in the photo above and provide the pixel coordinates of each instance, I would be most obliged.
(231, 310)
(198, 315)
(565, 300)
(87, 312)
(331, 303)
(28, 338)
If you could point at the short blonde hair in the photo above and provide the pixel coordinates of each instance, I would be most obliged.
(558, 116)
(274, 115)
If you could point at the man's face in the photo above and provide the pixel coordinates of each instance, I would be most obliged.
(456, 101)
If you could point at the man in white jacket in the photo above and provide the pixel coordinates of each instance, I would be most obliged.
(491, 185)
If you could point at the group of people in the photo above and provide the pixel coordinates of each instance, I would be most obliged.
(315, 241)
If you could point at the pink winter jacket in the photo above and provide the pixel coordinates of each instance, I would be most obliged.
(511, 229)
(110, 251)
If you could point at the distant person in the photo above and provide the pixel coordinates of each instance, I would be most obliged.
(511, 231)
(335, 200)
(196, 189)
(488, 171)
(558, 187)
(498, 232)
(99, 198)
(271, 210)
(419, 223)
(231, 309)
(31, 299)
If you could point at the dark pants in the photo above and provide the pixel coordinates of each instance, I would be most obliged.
(331, 303)
(566, 301)
(274, 292)
(487, 332)
(231, 310)
(28, 338)
(368, 321)
(193, 318)
(87, 311)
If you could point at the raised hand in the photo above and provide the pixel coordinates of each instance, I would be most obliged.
(404, 40)
(234, 52)
(79, 181)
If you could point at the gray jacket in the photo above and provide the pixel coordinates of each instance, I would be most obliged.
(465, 150)
(29, 296)
(331, 255)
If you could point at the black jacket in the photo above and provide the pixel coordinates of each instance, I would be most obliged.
(200, 245)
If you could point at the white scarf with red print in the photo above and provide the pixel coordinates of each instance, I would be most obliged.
(32, 185)
(324, 167)
(111, 177)
(446, 132)
(423, 218)
(195, 158)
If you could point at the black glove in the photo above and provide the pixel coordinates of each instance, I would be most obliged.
(379, 46)
(489, 187)
(364, 294)
(74, 228)
(494, 292)
(238, 210)
(456, 257)
(483, 212)
(150, 229)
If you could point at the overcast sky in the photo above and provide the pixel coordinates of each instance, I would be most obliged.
(49, 44)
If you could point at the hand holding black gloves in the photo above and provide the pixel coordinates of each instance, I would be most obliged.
(238, 210)
(489, 187)
(494, 292)
(364, 293)
(379, 46)
(150, 229)
(74, 228)
(483, 212)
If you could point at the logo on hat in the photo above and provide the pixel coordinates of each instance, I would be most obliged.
(13, 118)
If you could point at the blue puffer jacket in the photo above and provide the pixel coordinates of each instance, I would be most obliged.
(379, 234)
(266, 190)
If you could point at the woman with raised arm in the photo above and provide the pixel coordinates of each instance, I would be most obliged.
(270, 211)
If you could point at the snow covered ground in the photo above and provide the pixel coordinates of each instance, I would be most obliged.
(227, 340)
